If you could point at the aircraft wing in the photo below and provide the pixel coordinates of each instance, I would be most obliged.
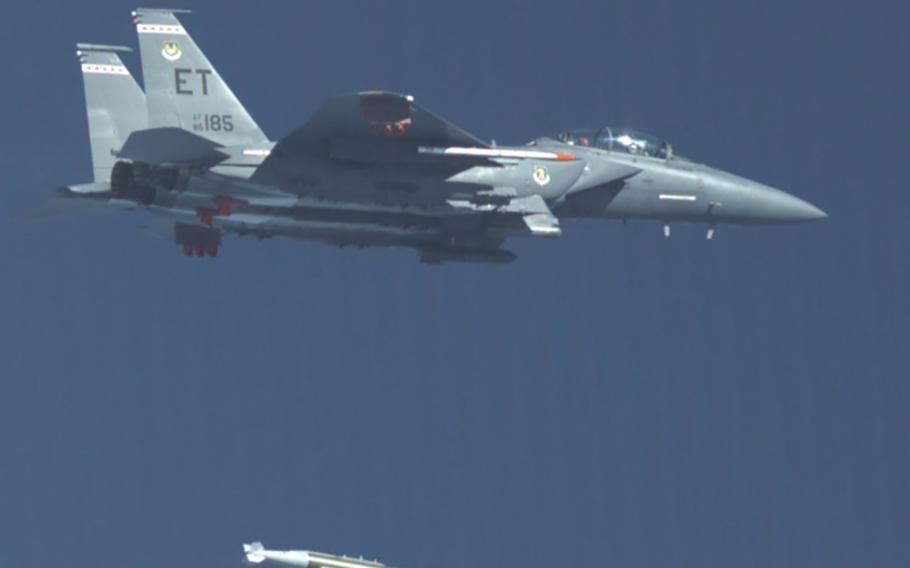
(374, 114)
(377, 128)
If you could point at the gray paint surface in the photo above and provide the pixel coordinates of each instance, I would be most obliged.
(612, 398)
(374, 168)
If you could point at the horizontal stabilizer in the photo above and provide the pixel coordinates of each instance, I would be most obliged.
(172, 146)
(95, 199)
(98, 187)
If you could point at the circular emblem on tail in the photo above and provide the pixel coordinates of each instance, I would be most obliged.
(171, 51)
(541, 175)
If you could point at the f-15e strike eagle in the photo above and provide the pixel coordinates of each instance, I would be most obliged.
(371, 168)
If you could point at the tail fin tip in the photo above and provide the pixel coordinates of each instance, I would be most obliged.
(87, 47)
(141, 11)
(206, 104)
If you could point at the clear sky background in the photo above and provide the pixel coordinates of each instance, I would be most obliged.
(613, 398)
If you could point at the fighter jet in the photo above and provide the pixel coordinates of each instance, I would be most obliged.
(256, 554)
(371, 168)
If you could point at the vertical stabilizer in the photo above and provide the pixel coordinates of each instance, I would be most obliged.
(114, 103)
(182, 86)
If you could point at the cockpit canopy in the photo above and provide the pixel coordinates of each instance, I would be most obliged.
(618, 140)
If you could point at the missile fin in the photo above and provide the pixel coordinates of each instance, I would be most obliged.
(252, 552)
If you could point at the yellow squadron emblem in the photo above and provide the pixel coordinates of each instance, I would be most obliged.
(541, 175)
(171, 51)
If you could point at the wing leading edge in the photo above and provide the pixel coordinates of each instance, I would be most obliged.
(371, 127)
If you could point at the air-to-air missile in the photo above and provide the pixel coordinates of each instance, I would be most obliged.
(256, 554)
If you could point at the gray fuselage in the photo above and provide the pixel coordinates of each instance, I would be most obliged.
(676, 189)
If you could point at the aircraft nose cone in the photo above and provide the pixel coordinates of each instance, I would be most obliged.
(776, 206)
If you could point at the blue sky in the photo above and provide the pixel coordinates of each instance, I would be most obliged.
(614, 398)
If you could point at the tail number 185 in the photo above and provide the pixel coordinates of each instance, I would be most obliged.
(213, 123)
